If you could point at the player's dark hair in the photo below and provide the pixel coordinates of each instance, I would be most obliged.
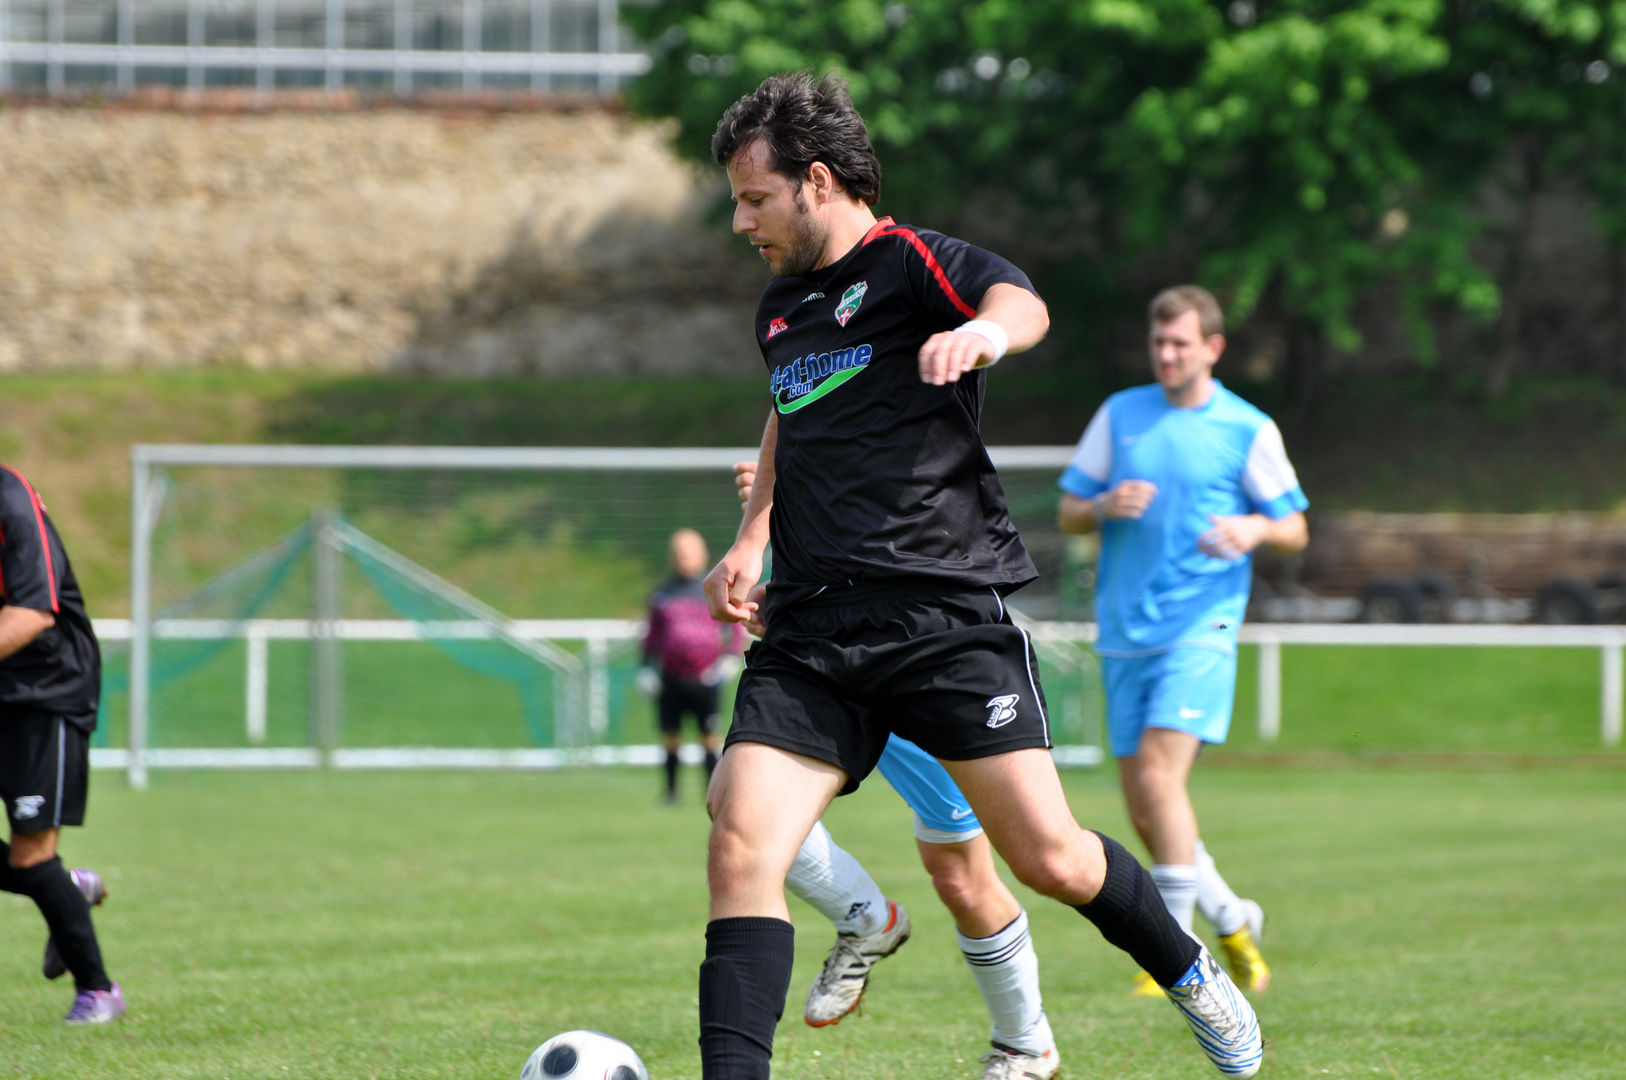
(801, 120)
(1173, 303)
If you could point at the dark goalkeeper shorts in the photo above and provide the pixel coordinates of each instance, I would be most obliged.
(839, 672)
(679, 696)
(44, 769)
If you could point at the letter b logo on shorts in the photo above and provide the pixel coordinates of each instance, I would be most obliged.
(28, 806)
(1002, 709)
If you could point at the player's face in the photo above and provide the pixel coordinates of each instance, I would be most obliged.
(688, 554)
(1181, 355)
(771, 210)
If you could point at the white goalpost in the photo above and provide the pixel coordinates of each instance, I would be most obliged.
(582, 656)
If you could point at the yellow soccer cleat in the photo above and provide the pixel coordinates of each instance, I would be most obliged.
(1145, 986)
(1242, 954)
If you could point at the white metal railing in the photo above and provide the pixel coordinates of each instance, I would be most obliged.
(599, 635)
(147, 498)
(539, 62)
(1610, 641)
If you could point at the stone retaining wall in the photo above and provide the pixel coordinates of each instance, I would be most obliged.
(454, 241)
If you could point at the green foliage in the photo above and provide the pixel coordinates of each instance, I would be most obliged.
(1290, 154)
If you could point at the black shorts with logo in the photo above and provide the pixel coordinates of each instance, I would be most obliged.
(840, 671)
(679, 696)
(44, 769)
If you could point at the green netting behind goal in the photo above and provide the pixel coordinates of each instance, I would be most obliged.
(361, 609)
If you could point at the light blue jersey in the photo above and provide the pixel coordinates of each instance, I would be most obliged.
(1155, 590)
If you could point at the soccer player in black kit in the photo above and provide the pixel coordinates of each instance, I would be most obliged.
(893, 552)
(50, 685)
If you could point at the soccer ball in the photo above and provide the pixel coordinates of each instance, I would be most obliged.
(584, 1055)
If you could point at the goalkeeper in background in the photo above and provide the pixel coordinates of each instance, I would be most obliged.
(1184, 480)
(50, 685)
(686, 654)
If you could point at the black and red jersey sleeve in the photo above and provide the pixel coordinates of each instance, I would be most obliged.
(949, 277)
(27, 577)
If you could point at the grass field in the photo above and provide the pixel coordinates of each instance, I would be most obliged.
(1441, 925)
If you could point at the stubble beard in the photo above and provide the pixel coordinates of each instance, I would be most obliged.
(805, 245)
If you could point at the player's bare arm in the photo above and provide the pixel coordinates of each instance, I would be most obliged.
(1127, 501)
(19, 626)
(729, 585)
(1234, 537)
(1022, 316)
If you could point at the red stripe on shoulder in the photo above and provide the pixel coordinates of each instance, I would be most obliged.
(884, 227)
(45, 537)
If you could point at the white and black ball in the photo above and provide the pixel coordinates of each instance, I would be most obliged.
(584, 1055)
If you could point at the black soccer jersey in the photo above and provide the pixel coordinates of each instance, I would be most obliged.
(876, 473)
(60, 671)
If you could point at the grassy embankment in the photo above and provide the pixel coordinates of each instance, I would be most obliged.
(1380, 445)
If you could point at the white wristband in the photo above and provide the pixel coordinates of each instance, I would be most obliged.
(995, 333)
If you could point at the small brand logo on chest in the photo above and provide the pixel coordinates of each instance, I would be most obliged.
(850, 300)
(777, 326)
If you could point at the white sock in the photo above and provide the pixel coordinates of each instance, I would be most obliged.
(1218, 903)
(836, 885)
(1007, 972)
(1178, 884)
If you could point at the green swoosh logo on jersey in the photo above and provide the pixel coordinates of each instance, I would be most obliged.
(822, 389)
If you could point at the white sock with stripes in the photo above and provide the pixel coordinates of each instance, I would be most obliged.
(1215, 899)
(1178, 884)
(837, 886)
(1007, 972)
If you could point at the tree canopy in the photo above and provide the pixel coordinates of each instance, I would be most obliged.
(1289, 153)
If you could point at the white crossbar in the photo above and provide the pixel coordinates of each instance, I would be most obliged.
(511, 457)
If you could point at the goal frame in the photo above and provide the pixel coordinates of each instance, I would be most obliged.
(146, 502)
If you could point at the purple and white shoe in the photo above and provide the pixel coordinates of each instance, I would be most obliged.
(97, 1006)
(90, 883)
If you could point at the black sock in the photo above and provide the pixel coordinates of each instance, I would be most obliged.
(742, 995)
(68, 915)
(711, 765)
(1130, 914)
(7, 884)
(671, 772)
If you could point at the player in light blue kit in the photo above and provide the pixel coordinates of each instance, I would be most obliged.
(993, 927)
(1184, 480)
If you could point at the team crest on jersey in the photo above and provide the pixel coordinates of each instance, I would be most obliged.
(850, 301)
(778, 326)
(1002, 709)
(806, 379)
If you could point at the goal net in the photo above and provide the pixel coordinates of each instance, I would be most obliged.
(451, 606)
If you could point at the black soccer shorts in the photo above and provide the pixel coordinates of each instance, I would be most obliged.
(679, 696)
(837, 673)
(44, 769)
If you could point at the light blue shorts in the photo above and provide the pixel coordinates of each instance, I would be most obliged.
(942, 814)
(1188, 689)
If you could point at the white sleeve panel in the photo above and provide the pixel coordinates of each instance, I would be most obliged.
(1268, 475)
(1093, 457)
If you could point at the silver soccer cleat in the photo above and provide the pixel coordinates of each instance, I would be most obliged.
(1010, 1065)
(840, 986)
